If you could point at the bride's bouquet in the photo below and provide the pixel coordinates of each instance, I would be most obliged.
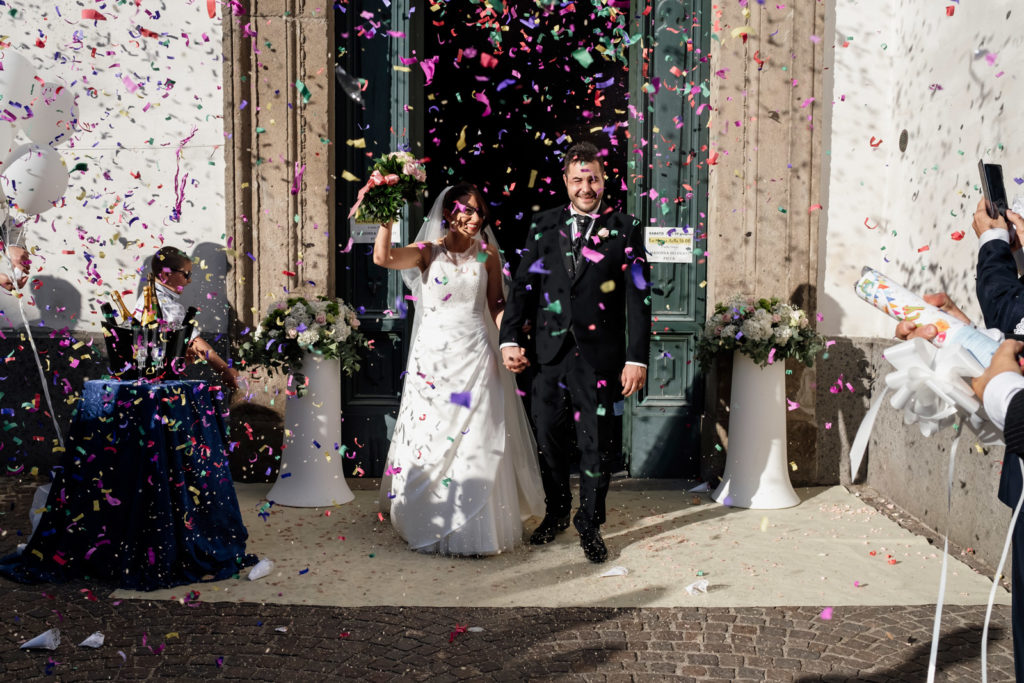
(298, 326)
(767, 330)
(396, 179)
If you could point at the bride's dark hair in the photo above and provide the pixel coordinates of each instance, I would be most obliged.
(461, 190)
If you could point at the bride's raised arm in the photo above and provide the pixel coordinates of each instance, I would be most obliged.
(398, 258)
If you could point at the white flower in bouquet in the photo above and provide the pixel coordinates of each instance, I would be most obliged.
(299, 313)
(768, 330)
(411, 168)
(342, 331)
(298, 327)
(757, 330)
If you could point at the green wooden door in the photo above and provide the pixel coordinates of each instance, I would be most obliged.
(669, 171)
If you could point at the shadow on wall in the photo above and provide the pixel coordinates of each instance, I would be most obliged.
(845, 384)
(59, 303)
(831, 397)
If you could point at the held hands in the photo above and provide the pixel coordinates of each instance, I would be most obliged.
(514, 359)
(907, 329)
(1004, 360)
(633, 379)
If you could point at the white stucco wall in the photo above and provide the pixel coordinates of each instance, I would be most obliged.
(908, 66)
(116, 213)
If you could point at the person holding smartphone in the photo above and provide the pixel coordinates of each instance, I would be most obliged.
(1000, 288)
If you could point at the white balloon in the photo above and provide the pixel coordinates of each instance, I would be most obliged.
(17, 83)
(54, 115)
(7, 132)
(34, 178)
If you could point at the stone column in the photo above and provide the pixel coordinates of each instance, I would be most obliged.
(765, 147)
(279, 124)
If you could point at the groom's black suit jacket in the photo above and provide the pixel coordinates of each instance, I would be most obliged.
(606, 307)
(1000, 291)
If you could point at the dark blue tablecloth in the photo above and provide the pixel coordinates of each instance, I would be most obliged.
(143, 496)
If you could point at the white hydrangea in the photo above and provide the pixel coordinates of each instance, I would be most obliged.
(756, 329)
(309, 337)
(299, 313)
(341, 330)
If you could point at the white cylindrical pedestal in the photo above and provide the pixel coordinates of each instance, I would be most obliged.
(756, 472)
(311, 475)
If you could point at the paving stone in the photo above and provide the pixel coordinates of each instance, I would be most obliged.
(388, 643)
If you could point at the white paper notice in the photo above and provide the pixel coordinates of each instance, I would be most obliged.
(669, 244)
(366, 233)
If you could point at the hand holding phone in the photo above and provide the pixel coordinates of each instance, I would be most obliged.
(993, 188)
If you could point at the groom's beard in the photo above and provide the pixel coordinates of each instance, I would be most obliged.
(596, 211)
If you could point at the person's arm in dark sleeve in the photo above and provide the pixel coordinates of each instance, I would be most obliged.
(638, 298)
(522, 295)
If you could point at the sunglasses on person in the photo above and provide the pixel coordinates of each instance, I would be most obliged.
(186, 273)
(467, 209)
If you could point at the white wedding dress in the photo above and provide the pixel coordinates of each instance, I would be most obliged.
(462, 473)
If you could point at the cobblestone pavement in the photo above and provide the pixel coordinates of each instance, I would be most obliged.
(190, 639)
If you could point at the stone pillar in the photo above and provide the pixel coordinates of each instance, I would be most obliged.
(765, 145)
(279, 124)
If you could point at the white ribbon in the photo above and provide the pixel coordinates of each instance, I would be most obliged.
(928, 387)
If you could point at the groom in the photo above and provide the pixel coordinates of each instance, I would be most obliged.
(584, 282)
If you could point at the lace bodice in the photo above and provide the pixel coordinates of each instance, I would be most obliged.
(454, 287)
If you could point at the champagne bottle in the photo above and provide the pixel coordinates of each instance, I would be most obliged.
(158, 313)
(126, 315)
(147, 305)
(108, 313)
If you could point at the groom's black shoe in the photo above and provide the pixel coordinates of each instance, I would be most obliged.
(593, 546)
(590, 539)
(548, 529)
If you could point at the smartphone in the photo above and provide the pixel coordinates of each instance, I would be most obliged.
(993, 189)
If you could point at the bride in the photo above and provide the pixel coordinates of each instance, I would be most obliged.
(462, 473)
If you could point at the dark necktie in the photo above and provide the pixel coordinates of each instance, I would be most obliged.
(582, 223)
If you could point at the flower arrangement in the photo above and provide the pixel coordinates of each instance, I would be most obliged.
(396, 178)
(298, 326)
(767, 330)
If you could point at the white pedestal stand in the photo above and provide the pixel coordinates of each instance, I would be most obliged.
(315, 473)
(756, 472)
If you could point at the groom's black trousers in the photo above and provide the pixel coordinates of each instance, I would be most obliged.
(568, 392)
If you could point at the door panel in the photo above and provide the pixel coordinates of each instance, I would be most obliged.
(371, 397)
(663, 429)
